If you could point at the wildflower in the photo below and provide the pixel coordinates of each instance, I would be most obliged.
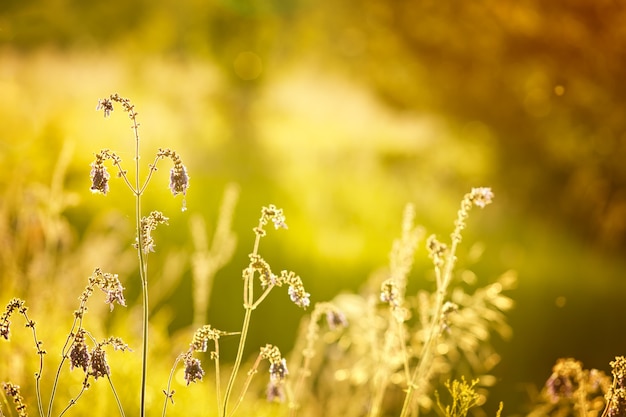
(117, 343)
(296, 290)
(565, 379)
(336, 319)
(99, 365)
(463, 396)
(481, 196)
(106, 105)
(79, 354)
(99, 179)
(202, 336)
(275, 392)
(278, 370)
(99, 174)
(193, 370)
(271, 353)
(299, 296)
(179, 179)
(148, 224)
(616, 396)
(270, 214)
(448, 308)
(258, 264)
(14, 304)
(111, 285)
(13, 391)
(389, 292)
(436, 250)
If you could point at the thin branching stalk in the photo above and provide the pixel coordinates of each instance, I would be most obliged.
(143, 271)
(479, 197)
(40, 352)
(246, 384)
(75, 399)
(77, 324)
(249, 306)
(117, 397)
(216, 358)
(238, 359)
(423, 368)
(168, 392)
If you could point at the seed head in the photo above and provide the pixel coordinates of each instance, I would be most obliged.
(148, 224)
(278, 370)
(481, 196)
(99, 365)
(111, 285)
(5, 322)
(99, 174)
(275, 392)
(437, 250)
(565, 379)
(616, 396)
(296, 291)
(193, 370)
(13, 391)
(336, 319)
(106, 105)
(179, 179)
(202, 336)
(79, 354)
(389, 293)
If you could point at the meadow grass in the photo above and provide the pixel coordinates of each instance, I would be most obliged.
(384, 351)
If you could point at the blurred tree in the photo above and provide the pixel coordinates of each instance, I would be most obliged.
(545, 78)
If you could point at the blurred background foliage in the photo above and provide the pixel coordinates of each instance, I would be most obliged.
(339, 112)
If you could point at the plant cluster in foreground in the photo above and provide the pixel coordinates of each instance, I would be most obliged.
(380, 352)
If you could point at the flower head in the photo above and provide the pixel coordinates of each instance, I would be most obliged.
(99, 365)
(481, 196)
(201, 337)
(99, 174)
(565, 379)
(193, 369)
(79, 354)
(13, 391)
(99, 178)
(275, 392)
(5, 322)
(106, 105)
(336, 319)
(278, 372)
(299, 296)
(110, 285)
(179, 179)
(148, 224)
(616, 396)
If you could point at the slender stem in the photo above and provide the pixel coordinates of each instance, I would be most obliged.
(242, 343)
(75, 399)
(117, 398)
(249, 306)
(153, 168)
(246, 384)
(262, 297)
(216, 357)
(40, 352)
(143, 272)
(65, 351)
(421, 373)
(168, 392)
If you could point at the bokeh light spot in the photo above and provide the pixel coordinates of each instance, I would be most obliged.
(248, 65)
